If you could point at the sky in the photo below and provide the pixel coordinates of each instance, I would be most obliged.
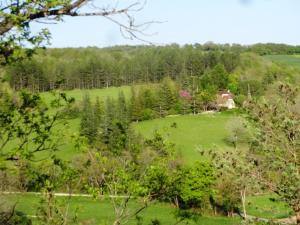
(187, 22)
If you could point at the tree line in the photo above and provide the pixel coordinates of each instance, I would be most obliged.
(97, 68)
(88, 68)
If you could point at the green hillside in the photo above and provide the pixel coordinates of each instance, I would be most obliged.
(290, 60)
(191, 132)
(103, 93)
(94, 212)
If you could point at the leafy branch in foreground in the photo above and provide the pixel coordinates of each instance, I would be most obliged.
(17, 15)
(26, 126)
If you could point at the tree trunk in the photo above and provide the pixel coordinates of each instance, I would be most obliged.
(243, 199)
(116, 222)
(176, 202)
(298, 217)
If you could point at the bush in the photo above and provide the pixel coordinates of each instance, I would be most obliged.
(148, 114)
(71, 111)
(18, 218)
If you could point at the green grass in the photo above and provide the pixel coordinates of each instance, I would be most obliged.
(290, 60)
(67, 150)
(192, 132)
(101, 212)
(103, 94)
(267, 206)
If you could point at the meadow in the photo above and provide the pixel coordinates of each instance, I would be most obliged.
(190, 133)
(99, 211)
(290, 60)
(102, 94)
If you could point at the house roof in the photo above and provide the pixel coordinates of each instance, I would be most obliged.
(223, 97)
(226, 94)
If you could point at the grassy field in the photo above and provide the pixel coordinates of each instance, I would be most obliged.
(267, 206)
(102, 94)
(291, 60)
(191, 133)
(100, 211)
(71, 127)
(96, 212)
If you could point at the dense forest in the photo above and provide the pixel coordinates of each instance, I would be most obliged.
(88, 68)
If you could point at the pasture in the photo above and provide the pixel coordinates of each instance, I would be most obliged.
(190, 133)
(100, 211)
(102, 94)
(290, 60)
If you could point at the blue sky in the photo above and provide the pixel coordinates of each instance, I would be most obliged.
(190, 21)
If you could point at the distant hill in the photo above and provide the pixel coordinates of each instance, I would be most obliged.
(290, 60)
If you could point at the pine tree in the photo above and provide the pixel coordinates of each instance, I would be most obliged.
(107, 121)
(220, 77)
(98, 111)
(122, 108)
(167, 97)
(135, 106)
(88, 127)
(98, 115)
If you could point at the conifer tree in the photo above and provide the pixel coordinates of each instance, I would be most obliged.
(98, 115)
(167, 97)
(88, 127)
(98, 110)
(135, 106)
(122, 108)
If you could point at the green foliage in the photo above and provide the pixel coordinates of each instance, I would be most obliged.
(254, 86)
(98, 68)
(205, 97)
(195, 185)
(25, 121)
(186, 187)
(289, 60)
(14, 218)
(277, 145)
(217, 77)
(238, 132)
(274, 49)
(52, 175)
(101, 211)
(166, 97)
(205, 131)
(135, 106)
(88, 124)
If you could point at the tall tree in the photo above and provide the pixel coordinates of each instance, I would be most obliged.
(122, 109)
(167, 96)
(278, 152)
(88, 127)
(135, 105)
